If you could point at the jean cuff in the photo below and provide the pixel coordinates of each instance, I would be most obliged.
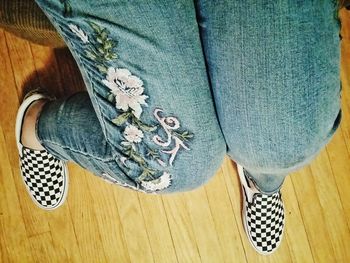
(267, 184)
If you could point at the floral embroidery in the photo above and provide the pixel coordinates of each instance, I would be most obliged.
(101, 49)
(133, 134)
(127, 93)
(79, 33)
(127, 89)
(160, 183)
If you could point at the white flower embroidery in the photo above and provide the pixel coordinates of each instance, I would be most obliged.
(160, 183)
(133, 134)
(168, 124)
(112, 180)
(123, 160)
(127, 89)
(79, 33)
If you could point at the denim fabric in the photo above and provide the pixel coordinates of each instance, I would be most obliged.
(167, 137)
(174, 85)
(274, 70)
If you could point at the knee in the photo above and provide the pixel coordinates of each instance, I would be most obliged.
(196, 167)
(180, 167)
(285, 151)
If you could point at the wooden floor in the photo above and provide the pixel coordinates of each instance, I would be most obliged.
(104, 223)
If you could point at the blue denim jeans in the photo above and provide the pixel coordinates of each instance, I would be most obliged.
(173, 86)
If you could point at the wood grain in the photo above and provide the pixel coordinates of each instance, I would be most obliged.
(103, 223)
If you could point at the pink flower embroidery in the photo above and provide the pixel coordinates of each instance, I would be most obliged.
(133, 134)
(127, 89)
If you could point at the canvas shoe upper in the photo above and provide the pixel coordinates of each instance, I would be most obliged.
(45, 176)
(262, 214)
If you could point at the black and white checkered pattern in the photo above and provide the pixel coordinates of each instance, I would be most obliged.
(44, 176)
(263, 215)
(265, 221)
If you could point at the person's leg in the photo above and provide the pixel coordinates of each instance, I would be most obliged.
(28, 135)
(148, 120)
(274, 70)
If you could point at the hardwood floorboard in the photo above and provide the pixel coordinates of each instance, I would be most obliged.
(339, 161)
(81, 207)
(331, 204)
(12, 227)
(295, 235)
(157, 227)
(181, 229)
(22, 63)
(47, 70)
(201, 218)
(225, 221)
(44, 250)
(133, 224)
(104, 223)
(312, 216)
(108, 220)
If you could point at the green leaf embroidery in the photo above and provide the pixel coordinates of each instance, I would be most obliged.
(110, 97)
(147, 127)
(101, 49)
(102, 69)
(121, 119)
(185, 136)
(137, 158)
(103, 34)
(90, 54)
(107, 44)
(152, 153)
(146, 172)
(95, 27)
(142, 125)
(67, 11)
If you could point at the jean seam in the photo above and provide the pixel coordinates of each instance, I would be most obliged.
(85, 74)
(79, 152)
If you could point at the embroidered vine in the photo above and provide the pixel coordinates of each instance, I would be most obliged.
(101, 49)
(67, 9)
(79, 33)
(127, 93)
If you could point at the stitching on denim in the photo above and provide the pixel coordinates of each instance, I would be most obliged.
(77, 58)
(79, 152)
(126, 91)
(99, 113)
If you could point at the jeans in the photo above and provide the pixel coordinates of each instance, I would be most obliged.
(173, 86)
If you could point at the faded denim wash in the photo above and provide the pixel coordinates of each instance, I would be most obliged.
(173, 86)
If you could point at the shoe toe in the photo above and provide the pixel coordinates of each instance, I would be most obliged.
(45, 177)
(265, 222)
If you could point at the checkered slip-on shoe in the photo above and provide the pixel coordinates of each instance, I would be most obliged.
(262, 214)
(45, 177)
